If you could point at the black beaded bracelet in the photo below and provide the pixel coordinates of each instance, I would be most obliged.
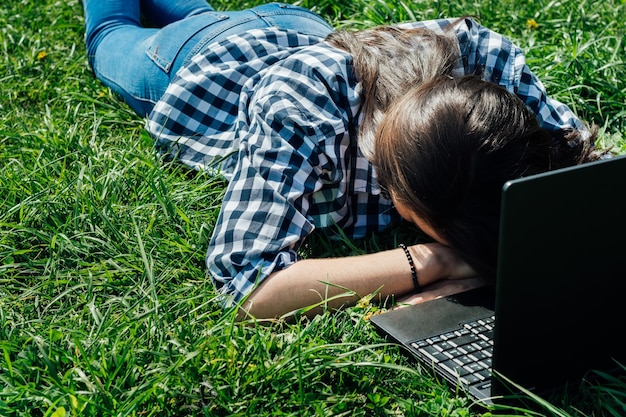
(416, 284)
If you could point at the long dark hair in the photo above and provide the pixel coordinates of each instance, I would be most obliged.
(447, 147)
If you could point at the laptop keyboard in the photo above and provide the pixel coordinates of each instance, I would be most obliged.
(465, 354)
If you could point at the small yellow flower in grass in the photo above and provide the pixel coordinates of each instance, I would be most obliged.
(363, 302)
(532, 24)
(42, 55)
(369, 314)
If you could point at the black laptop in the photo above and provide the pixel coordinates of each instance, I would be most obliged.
(559, 305)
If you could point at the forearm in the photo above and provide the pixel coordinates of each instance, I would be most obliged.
(312, 281)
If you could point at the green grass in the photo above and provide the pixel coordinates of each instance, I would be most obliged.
(105, 306)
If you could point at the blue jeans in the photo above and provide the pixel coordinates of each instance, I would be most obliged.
(139, 62)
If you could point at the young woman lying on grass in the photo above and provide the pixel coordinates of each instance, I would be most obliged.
(322, 129)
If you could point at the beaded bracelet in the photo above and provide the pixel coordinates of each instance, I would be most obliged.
(418, 287)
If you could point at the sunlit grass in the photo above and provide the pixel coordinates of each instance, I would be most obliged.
(105, 306)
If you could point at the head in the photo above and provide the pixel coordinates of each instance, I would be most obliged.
(388, 61)
(445, 149)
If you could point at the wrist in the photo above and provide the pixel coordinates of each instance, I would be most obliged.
(429, 261)
(414, 278)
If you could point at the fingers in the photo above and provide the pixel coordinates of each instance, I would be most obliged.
(440, 289)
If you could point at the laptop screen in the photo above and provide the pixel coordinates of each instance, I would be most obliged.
(561, 275)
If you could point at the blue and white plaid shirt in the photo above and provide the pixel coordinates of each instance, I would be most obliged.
(275, 112)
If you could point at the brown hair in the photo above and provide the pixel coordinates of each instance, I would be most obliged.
(447, 147)
(388, 62)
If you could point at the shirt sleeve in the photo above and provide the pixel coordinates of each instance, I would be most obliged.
(499, 60)
(282, 163)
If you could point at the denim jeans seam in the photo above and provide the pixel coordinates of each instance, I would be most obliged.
(166, 65)
(208, 38)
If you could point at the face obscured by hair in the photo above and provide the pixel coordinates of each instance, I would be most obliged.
(409, 215)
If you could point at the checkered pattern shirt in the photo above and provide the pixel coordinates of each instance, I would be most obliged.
(275, 112)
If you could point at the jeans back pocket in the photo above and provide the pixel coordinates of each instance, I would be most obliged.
(175, 40)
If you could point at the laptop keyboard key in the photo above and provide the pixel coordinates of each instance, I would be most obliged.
(465, 354)
(433, 354)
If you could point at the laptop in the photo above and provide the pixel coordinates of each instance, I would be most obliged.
(558, 307)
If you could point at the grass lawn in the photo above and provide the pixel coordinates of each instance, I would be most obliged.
(105, 305)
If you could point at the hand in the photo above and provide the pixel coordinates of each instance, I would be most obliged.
(441, 289)
(441, 261)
